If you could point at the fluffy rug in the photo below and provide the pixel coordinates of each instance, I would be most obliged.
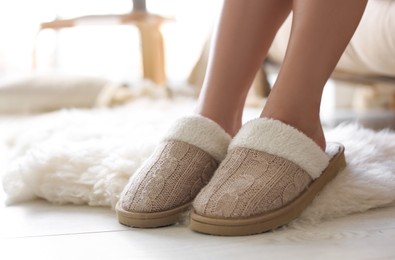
(87, 156)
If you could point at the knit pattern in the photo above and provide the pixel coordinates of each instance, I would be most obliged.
(171, 177)
(250, 182)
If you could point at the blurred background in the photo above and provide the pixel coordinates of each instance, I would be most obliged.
(100, 47)
(66, 53)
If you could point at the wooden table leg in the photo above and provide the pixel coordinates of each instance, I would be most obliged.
(152, 51)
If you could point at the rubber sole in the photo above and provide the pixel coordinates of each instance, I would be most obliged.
(273, 219)
(150, 220)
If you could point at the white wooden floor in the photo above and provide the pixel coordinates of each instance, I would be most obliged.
(39, 230)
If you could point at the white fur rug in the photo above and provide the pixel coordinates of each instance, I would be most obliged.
(87, 156)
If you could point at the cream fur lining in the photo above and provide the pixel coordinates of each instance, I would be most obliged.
(277, 138)
(203, 133)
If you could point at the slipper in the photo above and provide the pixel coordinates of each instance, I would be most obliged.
(271, 173)
(166, 184)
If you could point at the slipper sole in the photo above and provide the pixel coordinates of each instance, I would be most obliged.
(150, 220)
(273, 219)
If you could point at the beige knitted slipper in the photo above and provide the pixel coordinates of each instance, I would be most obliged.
(271, 174)
(166, 184)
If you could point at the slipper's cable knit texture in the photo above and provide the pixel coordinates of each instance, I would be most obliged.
(250, 182)
(171, 177)
(180, 167)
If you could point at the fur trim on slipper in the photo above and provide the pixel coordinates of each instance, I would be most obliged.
(277, 138)
(203, 133)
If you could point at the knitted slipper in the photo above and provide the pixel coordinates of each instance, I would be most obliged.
(166, 184)
(271, 173)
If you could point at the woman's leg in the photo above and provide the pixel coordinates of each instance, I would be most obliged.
(320, 32)
(245, 32)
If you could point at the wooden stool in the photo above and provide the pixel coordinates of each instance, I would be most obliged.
(149, 28)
